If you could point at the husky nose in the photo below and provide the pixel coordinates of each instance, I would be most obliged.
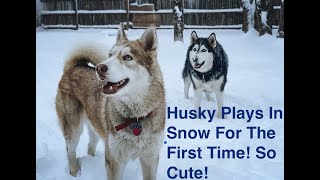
(101, 70)
(195, 59)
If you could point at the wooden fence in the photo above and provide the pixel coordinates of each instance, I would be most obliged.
(109, 13)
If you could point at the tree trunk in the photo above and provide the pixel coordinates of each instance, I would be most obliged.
(263, 16)
(177, 9)
(281, 21)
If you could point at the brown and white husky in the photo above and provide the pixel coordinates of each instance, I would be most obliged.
(120, 94)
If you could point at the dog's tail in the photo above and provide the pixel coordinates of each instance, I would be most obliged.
(86, 55)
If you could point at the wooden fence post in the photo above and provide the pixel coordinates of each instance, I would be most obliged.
(281, 21)
(177, 9)
(245, 22)
(263, 16)
(76, 14)
(128, 8)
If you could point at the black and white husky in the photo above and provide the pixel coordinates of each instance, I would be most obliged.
(206, 67)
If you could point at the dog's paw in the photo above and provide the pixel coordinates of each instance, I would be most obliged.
(75, 169)
(92, 146)
(75, 174)
(219, 115)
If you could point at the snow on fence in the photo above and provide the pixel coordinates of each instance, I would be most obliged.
(100, 13)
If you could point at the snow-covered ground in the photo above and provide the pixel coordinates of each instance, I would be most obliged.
(255, 81)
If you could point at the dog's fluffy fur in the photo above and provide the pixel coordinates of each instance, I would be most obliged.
(206, 67)
(82, 97)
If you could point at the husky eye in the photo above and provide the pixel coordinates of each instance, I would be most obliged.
(203, 50)
(127, 58)
(194, 49)
(110, 54)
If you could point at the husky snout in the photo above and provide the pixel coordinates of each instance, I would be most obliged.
(195, 59)
(101, 71)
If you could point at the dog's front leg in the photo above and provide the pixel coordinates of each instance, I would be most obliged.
(197, 97)
(114, 168)
(114, 164)
(149, 166)
(187, 83)
(219, 95)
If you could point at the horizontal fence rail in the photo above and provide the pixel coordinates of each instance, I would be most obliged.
(109, 13)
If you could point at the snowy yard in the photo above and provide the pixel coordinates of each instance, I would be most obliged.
(255, 81)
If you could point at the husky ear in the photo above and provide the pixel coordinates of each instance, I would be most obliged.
(194, 37)
(212, 40)
(121, 36)
(149, 40)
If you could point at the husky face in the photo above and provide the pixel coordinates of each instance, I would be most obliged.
(201, 52)
(127, 70)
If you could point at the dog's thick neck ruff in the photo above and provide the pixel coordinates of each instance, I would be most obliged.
(136, 128)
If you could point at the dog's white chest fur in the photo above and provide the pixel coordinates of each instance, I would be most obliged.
(212, 85)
